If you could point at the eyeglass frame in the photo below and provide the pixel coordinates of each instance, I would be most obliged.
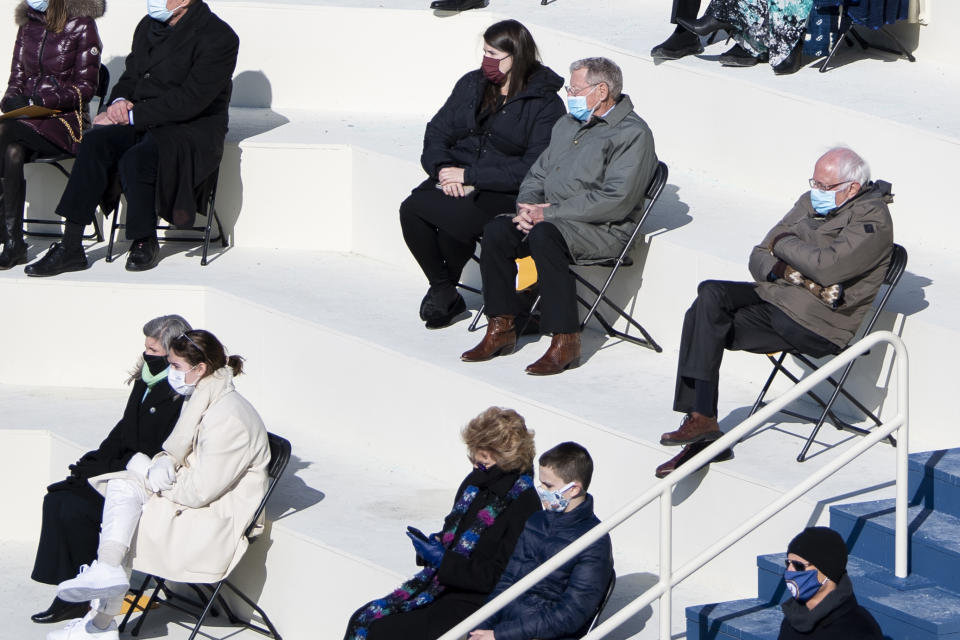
(816, 184)
(577, 92)
(787, 563)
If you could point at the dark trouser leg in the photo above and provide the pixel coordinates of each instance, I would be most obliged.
(138, 175)
(502, 244)
(99, 153)
(422, 241)
(69, 533)
(688, 9)
(558, 289)
(431, 621)
(455, 254)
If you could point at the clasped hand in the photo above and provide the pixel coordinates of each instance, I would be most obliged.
(161, 475)
(451, 181)
(529, 215)
(116, 113)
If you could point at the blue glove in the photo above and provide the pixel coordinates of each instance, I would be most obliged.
(430, 549)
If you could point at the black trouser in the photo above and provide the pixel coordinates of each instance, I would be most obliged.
(441, 231)
(688, 9)
(134, 156)
(426, 623)
(70, 532)
(730, 315)
(502, 244)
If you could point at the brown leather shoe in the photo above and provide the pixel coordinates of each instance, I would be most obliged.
(687, 453)
(695, 427)
(563, 354)
(501, 337)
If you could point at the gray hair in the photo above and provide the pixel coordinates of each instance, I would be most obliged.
(849, 165)
(165, 329)
(601, 70)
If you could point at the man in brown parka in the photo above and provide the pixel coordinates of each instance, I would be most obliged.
(816, 274)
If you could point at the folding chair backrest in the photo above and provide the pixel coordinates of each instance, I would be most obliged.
(279, 457)
(103, 83)
(603, 603)
(898, 264)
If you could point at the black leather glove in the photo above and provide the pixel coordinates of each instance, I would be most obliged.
(16, 101)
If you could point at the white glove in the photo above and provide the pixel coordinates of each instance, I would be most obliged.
(161, 475)
(139, 463)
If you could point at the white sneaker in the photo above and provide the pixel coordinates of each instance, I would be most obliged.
(84, 629)
(96, 581)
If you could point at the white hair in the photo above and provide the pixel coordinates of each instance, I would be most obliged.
(849, 165)
(165, 329)
(601, 70)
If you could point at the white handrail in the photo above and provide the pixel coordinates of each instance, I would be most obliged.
(663, 490)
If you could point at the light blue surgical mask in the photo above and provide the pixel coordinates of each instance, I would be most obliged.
(38, 5)
(577, 106)
(157, 9)
(823, 202)
(554, 500)
(802, 585)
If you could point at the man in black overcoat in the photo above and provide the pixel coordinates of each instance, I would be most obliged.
(72, 509)
(162, 132)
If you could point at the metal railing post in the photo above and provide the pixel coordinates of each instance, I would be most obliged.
(666, 562)
(902, 540)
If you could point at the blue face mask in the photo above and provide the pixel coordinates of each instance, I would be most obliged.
(38, 5)
(157, 9)
(802, 585)
(577, 106)
(554, 500)
(823, 201)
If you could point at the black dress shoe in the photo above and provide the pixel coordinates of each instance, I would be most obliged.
(737, 56)
(458, 5)
(792, 63)
(444, 319)
(678, 45)
(686, 454)
(58, 260)
(12, 255)
(60, 610)
(705, 26)
(144, 254)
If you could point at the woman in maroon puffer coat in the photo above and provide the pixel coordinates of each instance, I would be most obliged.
(56, 62)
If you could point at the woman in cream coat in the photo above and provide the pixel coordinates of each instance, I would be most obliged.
(192, 501)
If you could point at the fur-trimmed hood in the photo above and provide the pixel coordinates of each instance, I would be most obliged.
(75, 9)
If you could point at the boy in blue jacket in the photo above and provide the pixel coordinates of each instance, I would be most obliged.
(562, 604)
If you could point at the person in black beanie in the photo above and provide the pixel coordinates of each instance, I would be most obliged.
(823, 605)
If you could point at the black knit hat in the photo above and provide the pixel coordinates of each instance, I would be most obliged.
(824, 548)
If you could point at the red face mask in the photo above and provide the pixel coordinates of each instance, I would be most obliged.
(491, 70)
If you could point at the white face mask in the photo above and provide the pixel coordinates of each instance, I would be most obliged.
(38, 5)
(178, 380)
(157, 9)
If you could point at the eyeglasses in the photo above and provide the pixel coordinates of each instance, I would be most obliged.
(796, 564)
(816, 184)
(572, 91)
(191, 341)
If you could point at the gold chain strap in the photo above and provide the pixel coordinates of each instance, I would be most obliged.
(73, 135)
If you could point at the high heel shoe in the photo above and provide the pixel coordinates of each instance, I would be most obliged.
(792, 63)
(706, 25)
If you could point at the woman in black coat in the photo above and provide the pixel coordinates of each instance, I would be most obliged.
(476, 151)
(464, 560)
(72, 509)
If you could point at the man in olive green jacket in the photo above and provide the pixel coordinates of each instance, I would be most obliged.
(816, 274)
(580, 202)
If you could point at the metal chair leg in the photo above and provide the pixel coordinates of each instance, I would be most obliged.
(136, 600)
(143, 616)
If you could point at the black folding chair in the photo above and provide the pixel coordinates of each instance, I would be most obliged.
(898, 263)
(614, 264)
(849, 35)
(279, 456)
(103, 82)
(208, 209)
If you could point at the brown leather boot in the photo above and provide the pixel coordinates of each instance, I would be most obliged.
(563, 354)
(501, 338)
(695, 427)
(686, 454)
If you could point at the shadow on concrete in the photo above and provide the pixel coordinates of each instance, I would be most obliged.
(292, 493)
(629, 587)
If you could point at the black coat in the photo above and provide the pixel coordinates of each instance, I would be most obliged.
(181, 88)
(562, 604)
(837, 617)
(72, 509)
(496, 153)
(467, 580)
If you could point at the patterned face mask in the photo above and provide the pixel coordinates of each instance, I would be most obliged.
(554, 500)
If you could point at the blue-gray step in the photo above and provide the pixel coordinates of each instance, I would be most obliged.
(934, 480)
(868, 528)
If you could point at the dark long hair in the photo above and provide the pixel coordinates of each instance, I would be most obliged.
(511, 37)
(202, 346)
(56, 15)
